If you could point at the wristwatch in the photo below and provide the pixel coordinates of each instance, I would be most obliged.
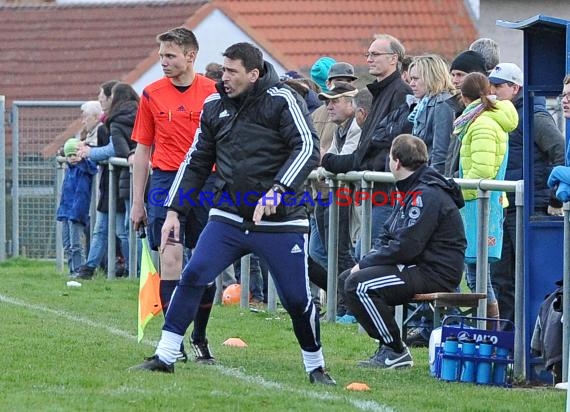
(277, 188)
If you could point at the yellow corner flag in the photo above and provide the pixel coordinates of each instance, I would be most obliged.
(149, 289)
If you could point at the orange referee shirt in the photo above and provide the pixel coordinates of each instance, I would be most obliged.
(168, 119)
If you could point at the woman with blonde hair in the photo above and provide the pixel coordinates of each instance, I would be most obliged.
(432, 117)
(483, 130)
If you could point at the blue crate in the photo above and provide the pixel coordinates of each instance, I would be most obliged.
(460, 327)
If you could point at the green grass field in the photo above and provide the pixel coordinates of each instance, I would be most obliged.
(68, 349)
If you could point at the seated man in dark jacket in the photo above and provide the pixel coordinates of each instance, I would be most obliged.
(421, 250)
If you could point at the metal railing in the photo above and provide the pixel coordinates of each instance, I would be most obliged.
(483, 186)
(366, 180)
(3, 245)
(112, 163)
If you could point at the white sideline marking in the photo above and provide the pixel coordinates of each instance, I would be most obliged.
(259, 381)
(235, 373)
(74, 318)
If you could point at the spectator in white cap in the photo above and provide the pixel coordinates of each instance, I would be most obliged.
(548, 151)
(506, 73)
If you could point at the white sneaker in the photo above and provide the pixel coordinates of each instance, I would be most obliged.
(561, 385)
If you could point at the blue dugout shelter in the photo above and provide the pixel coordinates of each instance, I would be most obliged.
(546, 62)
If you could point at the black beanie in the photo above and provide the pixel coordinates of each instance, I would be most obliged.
(469, 61)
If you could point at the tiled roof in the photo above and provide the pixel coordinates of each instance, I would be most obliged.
(51, 52)
(63, 52)
(304, 30)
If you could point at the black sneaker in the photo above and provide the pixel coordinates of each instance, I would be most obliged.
(121, 271)
(202, 352)
(416, 338)
(153, 364)
(85, 272)
(387, 358)
(319, 375)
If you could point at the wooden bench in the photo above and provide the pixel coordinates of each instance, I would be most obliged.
(467, 303)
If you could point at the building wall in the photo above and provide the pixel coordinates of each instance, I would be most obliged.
(511, 41)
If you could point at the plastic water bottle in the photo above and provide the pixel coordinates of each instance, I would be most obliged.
(484, 366)
(449, 366)
(468, 369)
(500, 368)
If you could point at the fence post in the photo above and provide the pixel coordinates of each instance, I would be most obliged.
(244, 281)
(366, 219)
(93, 209)
(15, 182)
(111, 236)
(566, 293)
(3, 193)
(59, 174)
(133, 240)
(271, 294)
(219, 290)
(482, 252)
(332, 252)
(519, 367)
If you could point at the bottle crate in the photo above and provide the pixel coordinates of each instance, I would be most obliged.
(471, 355)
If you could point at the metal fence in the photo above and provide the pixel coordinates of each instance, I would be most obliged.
(27, 173)
(30, 175)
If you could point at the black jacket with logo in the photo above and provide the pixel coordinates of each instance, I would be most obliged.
(425, 230)
(255, 140)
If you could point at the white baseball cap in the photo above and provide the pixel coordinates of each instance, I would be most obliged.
(506, 72)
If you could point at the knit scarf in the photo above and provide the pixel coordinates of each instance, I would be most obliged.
(471, 112)
(420, 107)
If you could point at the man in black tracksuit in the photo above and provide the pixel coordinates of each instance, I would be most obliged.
(259, 135)
(421, 250)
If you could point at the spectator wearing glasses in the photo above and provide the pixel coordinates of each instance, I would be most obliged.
(559, 178)
(389, 92)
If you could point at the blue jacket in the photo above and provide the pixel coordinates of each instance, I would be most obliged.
(560, 179)
(76, 192)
